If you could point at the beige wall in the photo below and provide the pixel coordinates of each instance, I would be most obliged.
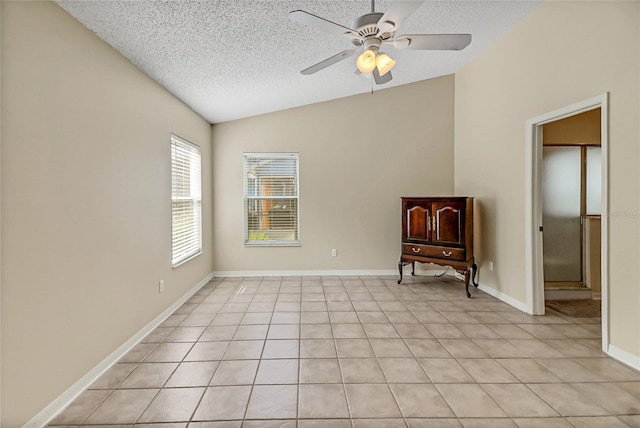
(563, 52)
(85, 203)
(358, 156)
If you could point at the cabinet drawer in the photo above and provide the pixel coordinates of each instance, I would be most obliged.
(434, 251)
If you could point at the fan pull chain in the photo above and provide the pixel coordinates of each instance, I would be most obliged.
(373, 6)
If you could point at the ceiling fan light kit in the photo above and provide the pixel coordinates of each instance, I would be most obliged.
(371, 31)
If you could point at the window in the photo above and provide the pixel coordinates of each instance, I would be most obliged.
(186, 201)
(271, 199)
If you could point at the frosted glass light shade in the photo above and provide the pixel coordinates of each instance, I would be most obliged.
(384, 64)
(366, 62)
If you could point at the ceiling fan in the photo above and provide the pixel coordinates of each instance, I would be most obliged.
(372, 31)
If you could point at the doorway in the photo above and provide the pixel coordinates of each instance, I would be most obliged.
(534, 191)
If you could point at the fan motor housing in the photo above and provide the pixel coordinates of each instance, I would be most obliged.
(367, 27)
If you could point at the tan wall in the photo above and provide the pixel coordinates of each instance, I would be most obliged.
(358, 156)
(563, 52)
(85, 203)
(581, 129)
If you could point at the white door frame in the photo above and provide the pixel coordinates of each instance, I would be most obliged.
(534, 273)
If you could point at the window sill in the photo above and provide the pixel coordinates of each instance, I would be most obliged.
(181, 262)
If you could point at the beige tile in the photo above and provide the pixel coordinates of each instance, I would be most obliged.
(251, 332)
(339, 307)
(227, 319)
(632, 388)
(485, 370)
(613, 398)
(207, 351)
(379, 423)
(149, 375)
(380, 331)
(285, 348)
(173, 320)
(573, 348)
(348, 331)
(169, 352)
(566, 400)
(283, 331)
(542, 331)
(632, 420)
(324, 423)
(287, 423)
(433, 423)
(287, 307)
(343, 317)
(598, 422)
(528, 371)
(569, 370)
(324, 370)
(469, 401)
(362, 370)
(223, 403)
(403, 370)
(354, 348)
(122, 406)
(218, 333)
(396, 318)
(371, 401)
(390, 348)
(317, 348)
(157, 335)
(518, 401)
(376, 317)
(499, 348)
(420, 400)
(314, 317)
(314, 307)
(260, 307)
(138, 353)
(534, 348)
(112, 377)
(185, 334)
(273, 402)
(256, 318)
(173, 405)
(412, 331)
(445, 370)
(463, 348)
(488, 423)
(609, 369)
(426, 348)
(542, 423)
(316, 331)
(151, 425)
(445, 331)
(241, 372)
(244, 350)
(277, 372)
(190, 374)
(431, 317)
(285, 318)
(322, 401)
(510, 331)
(80, 408)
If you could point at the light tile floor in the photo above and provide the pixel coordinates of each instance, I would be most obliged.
(360, 352)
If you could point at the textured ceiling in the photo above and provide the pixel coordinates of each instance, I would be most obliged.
(229, 59)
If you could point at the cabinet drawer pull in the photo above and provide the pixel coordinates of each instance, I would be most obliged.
(446, 254)
(415, 250)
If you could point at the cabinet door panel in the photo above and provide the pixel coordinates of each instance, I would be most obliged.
(449, 225)
(418, 223)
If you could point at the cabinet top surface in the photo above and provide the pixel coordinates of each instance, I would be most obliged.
(447, 198)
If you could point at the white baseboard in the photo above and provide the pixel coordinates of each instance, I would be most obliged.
(625, 357)
(59, 404)
(504, 297)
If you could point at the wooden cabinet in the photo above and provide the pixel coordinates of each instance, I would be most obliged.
(438, 230)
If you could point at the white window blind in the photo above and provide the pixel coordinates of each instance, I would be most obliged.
(186, 201)
(271, 199)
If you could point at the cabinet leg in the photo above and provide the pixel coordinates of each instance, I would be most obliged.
(467, 275)
(400, 264)
(474, 269)
(413, 268)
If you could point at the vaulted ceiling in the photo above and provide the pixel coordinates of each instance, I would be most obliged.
(229, 59)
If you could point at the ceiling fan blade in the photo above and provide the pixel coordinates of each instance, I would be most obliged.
(314, 21)
(327, 62)
(433, 42)
(397, 13)
(381, 79)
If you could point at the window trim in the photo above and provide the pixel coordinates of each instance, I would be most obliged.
(245, 197)
(176, 141)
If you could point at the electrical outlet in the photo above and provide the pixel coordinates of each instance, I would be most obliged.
(491, 266)
(161, 286)
(334, 252)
